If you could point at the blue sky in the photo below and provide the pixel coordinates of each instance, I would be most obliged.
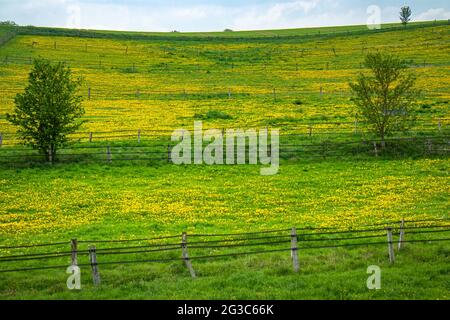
(214, 15)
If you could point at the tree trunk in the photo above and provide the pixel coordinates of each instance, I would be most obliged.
(51, 153)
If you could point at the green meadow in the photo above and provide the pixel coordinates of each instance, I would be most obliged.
(330, 177)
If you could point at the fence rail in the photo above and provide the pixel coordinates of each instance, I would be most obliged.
(172, 248)
(161, 150)
(293, 129)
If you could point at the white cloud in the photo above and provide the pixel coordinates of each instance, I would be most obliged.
(187, 16)
(432, 14)
(279, 15)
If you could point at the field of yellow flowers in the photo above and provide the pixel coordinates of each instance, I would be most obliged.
(149, 200)
(134, 202)
(164, 84)
(281, 81)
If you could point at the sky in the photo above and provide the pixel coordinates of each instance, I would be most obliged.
(214, 15)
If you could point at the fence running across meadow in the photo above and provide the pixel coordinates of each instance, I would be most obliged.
(211, 91)
(289, 148)
(173, 248)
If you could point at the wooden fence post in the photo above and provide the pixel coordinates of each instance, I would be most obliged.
(324, 149)
(274, 94)
(356, 126)
(50, 155)
(229, 93)
(439, 125)
(430, 146)
(90, 136)
(401, 235)
(390, 245)
(1, 139)
(94, 265)
(89, 93)
(375, 148)
(310, 130)
(185, 254)
(108, 153)
(139, 136)
(74, 246)
(169, 153)
(294, 249)
(321, 92)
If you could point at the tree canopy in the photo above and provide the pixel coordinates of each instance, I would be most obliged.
(49, 109)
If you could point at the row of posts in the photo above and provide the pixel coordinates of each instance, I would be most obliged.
(310, 133)
(229, 93)
(185, 256)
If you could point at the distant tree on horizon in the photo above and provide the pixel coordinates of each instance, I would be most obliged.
(8, 23)
(405, 15)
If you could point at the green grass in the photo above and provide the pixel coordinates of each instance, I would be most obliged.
(118, 201)
(186, 76)
(245, 35)
(419, 273)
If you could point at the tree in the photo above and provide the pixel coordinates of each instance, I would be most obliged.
(405, 15)
(8, 23)
(49, 108)
(385, 99)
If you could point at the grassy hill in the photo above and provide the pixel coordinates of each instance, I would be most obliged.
(295, 80)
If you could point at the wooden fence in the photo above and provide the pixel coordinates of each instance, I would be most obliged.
(189, 248)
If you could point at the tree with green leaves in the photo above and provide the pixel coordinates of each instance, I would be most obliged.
(8, 23)
(49, 109)
(405, 15)
(387, 97)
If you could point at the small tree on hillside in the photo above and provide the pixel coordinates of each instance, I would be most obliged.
(49, 108)
(8, 23)
(405, 15)
(386, 98)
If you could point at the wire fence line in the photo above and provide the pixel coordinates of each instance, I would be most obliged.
(195, 50)
(223, 92)
(158, 139)
(129, 49)
(425, 223)
(7, 36)
(226, 66)
(288, 149)
(292, 239)
(358, 126)
(225, 37)
(320, 125)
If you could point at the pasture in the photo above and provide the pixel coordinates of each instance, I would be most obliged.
(294, 80)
